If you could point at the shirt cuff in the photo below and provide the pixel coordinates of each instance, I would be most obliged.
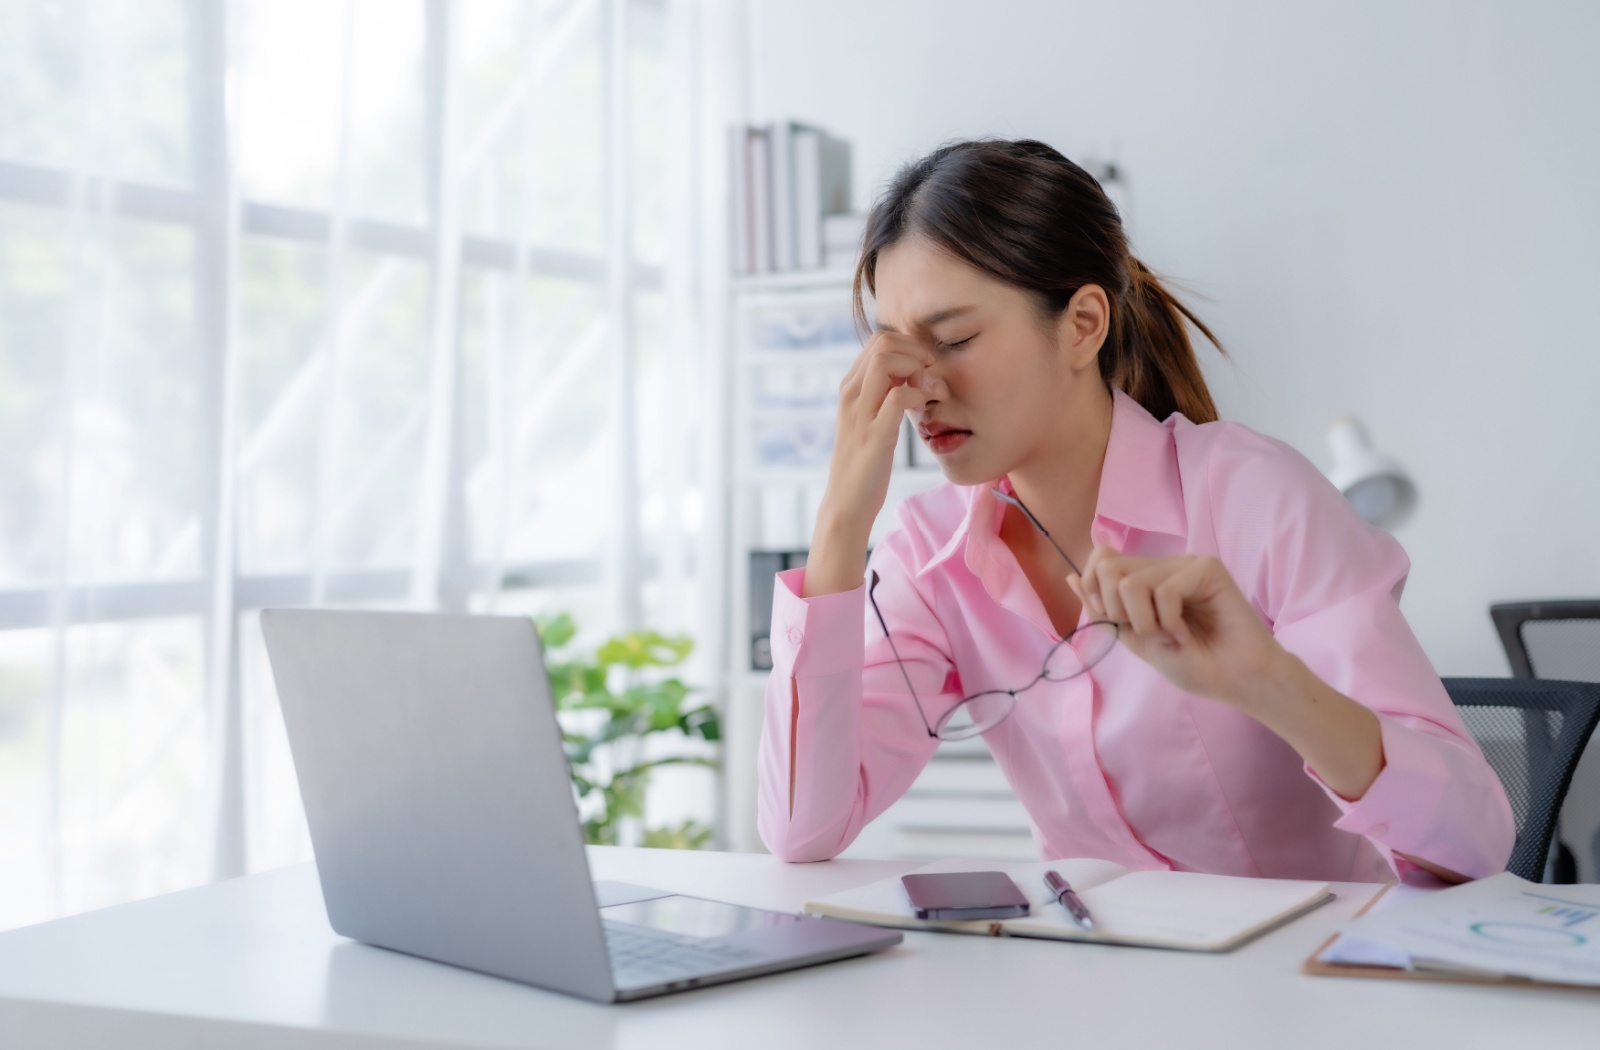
(1419, 804)
(812, 637)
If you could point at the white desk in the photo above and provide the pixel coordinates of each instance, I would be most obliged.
(252, 963)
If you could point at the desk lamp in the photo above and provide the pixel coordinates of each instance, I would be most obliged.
(1376, 486)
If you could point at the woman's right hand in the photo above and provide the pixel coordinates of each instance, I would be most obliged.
(888, 379)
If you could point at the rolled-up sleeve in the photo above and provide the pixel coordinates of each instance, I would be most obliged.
(1432, 801)
(841, 739)
(1330, 584)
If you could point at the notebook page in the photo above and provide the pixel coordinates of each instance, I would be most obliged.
(1178, 909)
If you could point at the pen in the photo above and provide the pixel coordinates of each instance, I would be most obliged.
(1069, 900)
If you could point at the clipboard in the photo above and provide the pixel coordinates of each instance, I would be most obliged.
(1317, 968)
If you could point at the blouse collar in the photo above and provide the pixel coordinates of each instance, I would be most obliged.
(1140, 488)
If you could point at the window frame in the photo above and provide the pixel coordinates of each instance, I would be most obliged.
(442, 575)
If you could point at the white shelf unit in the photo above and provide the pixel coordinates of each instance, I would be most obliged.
(794, 338)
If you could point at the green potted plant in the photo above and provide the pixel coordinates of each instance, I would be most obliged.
(611, 703)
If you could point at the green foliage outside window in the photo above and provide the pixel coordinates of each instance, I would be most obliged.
(610, 702)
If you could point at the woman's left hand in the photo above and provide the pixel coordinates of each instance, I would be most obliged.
(1187, 618)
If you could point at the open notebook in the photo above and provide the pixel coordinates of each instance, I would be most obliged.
(1155, 909)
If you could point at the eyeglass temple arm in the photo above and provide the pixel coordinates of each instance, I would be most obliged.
(872, 601)
(1017, 503)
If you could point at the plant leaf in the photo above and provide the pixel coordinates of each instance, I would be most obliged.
(677, 760)
(691, 834)
(703, 722)
(555, 631)
(644, 649)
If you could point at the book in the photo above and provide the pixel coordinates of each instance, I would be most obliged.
(1501, 929)
(821, 191)
(787, 179)
(833, 177)
(843, 231)
(1186, 910)
(781, 135)
(743, 257)
(759, 145)
(841, 240)
(807, 152)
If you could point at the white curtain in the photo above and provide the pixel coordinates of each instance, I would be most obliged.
(357, 303)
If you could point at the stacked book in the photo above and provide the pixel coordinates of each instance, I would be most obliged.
(789, 181)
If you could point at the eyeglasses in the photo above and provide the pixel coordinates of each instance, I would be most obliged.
(981, 712)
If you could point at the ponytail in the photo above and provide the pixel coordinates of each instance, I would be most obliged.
(1148, 355)
(1024, 214)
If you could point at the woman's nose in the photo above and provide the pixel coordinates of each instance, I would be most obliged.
(932, 383)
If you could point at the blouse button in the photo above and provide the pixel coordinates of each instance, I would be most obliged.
(795, 635)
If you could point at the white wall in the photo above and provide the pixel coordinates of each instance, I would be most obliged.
(1393, 208)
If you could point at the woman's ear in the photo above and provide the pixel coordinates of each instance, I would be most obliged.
(1082, 327)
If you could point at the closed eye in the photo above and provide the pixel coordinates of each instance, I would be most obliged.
(958, 343)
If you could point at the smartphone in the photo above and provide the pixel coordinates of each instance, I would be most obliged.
(965, 895)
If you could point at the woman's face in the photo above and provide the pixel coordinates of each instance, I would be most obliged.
(1007, 387)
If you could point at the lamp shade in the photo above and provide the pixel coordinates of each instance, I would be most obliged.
(1376, 486)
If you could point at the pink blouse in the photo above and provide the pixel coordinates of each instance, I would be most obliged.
(1119, 763)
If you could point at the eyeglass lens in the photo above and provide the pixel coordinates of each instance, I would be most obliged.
(980, 712)
(1072, 656)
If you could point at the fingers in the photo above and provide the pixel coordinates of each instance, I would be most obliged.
(896, 403)
(1101, 574)
(1166, 598)
(889, 370)
(879, 368)
(1148, 595)
(1127, 592)
(887, 362)
(874, 397)
(1136, 592)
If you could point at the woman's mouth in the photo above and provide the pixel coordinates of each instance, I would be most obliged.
(942, 441)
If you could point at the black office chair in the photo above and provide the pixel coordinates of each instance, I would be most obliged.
(1560, 639)
(1551, 639)
(1532, 732)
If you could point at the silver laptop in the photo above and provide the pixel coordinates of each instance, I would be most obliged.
(444, 823)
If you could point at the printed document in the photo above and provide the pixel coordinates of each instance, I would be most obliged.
(1499, 926)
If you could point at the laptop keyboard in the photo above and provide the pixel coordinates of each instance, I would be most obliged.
(645, 956)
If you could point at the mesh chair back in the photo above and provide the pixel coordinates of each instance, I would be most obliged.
(1561, 639)
(1532, 732)
(1564, 649)
(1550, 639)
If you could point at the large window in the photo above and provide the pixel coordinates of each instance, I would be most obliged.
(362, 302)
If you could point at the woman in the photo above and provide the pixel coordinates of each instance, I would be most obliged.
(1260, 706)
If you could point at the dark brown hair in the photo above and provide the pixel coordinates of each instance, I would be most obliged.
(1021, 212)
